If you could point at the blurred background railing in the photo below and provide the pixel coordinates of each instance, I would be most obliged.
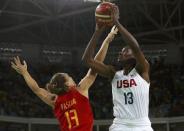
(46, 124)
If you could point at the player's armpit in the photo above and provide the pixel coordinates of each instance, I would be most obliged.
(141, 60)
(143, 67)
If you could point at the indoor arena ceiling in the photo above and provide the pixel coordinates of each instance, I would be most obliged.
(71, 22)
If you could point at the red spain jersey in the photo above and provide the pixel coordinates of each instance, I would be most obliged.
(74, 112)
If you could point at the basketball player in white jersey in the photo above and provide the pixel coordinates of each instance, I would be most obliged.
(130, 85)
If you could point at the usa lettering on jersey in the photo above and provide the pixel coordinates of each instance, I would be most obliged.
(126, 83)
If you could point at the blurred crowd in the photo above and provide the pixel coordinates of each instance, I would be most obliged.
(16, 99)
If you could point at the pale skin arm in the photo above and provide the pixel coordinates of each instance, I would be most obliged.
(90, 77)
(43, 94)
(98, 66)
(142, 64)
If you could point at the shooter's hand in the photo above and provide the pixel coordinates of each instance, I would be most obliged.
(115, 14)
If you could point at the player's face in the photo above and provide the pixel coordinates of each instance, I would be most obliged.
(125, 54)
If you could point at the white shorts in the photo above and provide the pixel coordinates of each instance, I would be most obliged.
(118, 127)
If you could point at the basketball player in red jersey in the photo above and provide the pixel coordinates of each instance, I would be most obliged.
(130, 84)
(68, 100)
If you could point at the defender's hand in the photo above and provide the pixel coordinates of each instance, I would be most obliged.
(18, 66)
(112, 34)
(114, 30)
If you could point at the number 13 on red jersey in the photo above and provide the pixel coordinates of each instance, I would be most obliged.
(72, 118)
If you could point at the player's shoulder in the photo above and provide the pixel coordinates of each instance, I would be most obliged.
(117, 74)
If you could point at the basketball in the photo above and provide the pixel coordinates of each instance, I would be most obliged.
(103, 14)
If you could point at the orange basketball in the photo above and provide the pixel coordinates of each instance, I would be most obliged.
(103, 14)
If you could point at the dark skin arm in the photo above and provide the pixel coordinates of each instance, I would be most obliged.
(97, 66)
(142, 64)
(90, 77)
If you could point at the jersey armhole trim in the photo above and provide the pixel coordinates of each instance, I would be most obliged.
(142, 77)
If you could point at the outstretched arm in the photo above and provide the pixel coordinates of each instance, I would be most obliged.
(97, 66)
(88, 80)
(101, 54)
(43, 94)
(142, 63)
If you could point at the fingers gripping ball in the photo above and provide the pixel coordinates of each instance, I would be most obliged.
(103, 14)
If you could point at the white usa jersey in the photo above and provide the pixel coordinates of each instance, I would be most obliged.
(130, 98)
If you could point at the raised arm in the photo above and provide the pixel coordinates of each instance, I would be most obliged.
(96, 65)
(101, 54)
(142, 64)
(43, 94)
(88, 80)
